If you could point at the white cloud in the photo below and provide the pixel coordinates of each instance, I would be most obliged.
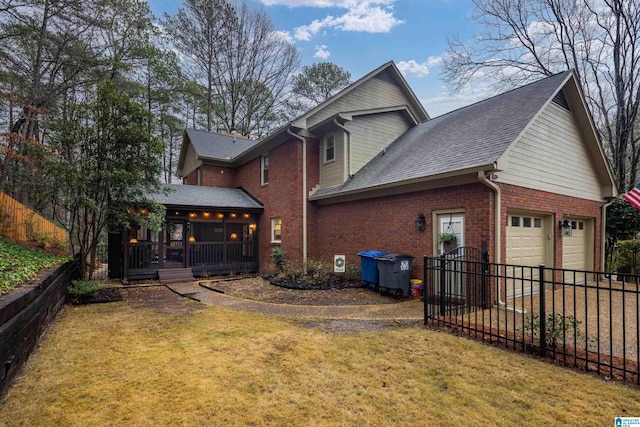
(307, 31)
(322, 52)
(413, 69)
(300, 3)
(282, 35)
(372, 16)
(434, 61)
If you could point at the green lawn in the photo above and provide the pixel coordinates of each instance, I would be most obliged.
(120, 364)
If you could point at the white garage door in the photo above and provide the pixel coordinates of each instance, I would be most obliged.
(574, 247)
(577, 251)
(526, 245)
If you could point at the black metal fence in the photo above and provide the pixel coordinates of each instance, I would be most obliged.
(579, 318)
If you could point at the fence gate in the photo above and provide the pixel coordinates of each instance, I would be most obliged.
(457, 281)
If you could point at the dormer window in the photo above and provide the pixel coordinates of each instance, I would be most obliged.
(329, 148)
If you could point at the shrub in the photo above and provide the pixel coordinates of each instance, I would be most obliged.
(557, 329)
(82, 290)
(627, 256)
(277, 257)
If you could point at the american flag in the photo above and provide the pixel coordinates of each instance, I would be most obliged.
(633, 196)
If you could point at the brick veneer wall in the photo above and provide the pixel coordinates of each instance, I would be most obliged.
(282, 197)
(212, 176)
(388, 223)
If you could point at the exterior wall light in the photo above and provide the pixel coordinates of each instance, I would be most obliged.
(565, 227)
(192, 239)
(420, 222)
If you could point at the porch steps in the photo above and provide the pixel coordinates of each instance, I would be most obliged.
(175, 275)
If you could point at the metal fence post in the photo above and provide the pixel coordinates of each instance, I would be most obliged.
(443, 259)
(485, 278)
(543, 315)
(426, 286)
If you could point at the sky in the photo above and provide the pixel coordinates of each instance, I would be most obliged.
(361, 35)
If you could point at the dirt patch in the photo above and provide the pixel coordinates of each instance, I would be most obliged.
(258, 289)
(158, 298)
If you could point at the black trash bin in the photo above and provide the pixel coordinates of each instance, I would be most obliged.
(394, 271)
(369, 267)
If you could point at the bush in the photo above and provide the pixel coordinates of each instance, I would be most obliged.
(627, 256)
(82, 290)
(277, 257)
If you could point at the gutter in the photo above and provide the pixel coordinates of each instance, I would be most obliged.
(305, 249)
(348, 143)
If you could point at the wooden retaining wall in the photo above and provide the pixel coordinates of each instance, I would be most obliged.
(18, 222)
(25, 315)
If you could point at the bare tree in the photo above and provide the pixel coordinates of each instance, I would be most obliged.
(199, 31)
(253, 73)
(238, 58)
(599, 39)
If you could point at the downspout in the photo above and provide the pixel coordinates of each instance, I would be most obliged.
(348, 144)
(304, 199)
(497, 225)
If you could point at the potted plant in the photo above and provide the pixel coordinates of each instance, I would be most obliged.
(448, 241)
(446, 238)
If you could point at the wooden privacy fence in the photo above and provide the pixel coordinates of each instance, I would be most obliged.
(18, 222)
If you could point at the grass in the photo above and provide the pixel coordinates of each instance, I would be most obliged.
(19, 264)
(114, 364)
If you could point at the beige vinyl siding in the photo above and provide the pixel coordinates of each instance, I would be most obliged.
(551, 157)
(370, 134)
(373, 93)
(332, 173)
(190, 161)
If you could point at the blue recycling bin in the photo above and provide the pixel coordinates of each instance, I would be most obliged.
(369, 267)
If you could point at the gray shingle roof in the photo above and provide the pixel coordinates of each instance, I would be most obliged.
(207, 197)
(473, 136)
(212, 145)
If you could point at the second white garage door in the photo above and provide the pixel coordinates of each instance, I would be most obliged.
(576, 250)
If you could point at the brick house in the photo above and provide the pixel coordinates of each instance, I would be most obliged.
(369, 169)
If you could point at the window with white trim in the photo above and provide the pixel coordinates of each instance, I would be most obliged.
(329, 148)
(265, 169)
(276, 230)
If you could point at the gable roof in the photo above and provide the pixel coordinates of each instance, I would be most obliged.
(388, 72)
(217, 146)
(470, 139)
(186, 196)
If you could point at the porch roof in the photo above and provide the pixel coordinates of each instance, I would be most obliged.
(199, 197)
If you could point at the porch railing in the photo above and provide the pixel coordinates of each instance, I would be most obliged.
(579, 318)
(203, 257)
